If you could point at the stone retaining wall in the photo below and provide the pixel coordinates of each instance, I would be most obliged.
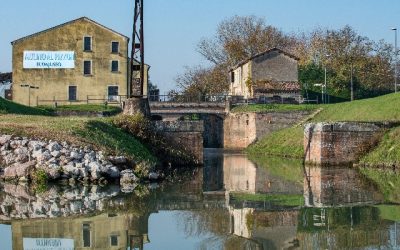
(243, 129)
(340, 143)
(185, 135)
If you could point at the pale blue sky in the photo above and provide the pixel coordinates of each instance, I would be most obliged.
(174, 27)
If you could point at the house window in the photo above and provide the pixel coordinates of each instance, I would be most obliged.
(114, 66)
(114, 47)
(86, 235)
(87, 43)
(72, 93)
(87, 67)
(112, 93)
(232, 76)
(114, 240)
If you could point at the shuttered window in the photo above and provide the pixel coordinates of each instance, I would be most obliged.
(114, 66)
(87, 43)
(114, 47)
(87, 67)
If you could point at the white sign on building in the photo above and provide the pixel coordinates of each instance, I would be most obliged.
(48, 244)
(49, 60)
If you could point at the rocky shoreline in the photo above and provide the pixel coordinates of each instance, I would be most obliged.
(25, 159)
(19, 202)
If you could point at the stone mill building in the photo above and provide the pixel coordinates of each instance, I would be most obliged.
(80, 61)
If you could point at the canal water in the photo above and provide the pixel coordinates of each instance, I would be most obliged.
(232, 203)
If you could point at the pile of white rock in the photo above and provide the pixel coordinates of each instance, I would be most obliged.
(21, 158)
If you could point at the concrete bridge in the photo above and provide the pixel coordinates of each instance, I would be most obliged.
(209, 116)
(176, 110)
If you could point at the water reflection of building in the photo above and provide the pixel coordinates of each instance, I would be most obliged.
(324, 187)
(267, 229)
(106, 231)
(263, 229)
(234, 172)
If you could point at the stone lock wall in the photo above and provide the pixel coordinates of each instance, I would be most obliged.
(186, 135)
(340, 142)
(243, 129)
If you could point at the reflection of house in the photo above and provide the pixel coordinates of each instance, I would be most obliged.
(242, 175)
(104, 231)
(80, 60)
(271, 73)
(269, 230)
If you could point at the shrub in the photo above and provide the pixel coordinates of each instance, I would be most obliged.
(137, 125)
(40, 180)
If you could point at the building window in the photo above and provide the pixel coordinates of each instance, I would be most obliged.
(114, 240)
(232, 76)
(72, 93)
(87, 67)
(86, 235)
(114, 66)
(114, 47)
(87, 43)
(112, 93)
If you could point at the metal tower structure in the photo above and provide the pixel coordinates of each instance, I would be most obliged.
(137, 84)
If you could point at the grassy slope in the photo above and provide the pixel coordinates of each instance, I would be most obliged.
(84, 108)
(387, 152)
(98, 132)
(387, 181)
(289, 142)
(8, 107)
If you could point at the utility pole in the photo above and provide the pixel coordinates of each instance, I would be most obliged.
(137, 102)
(137, 85)
(351, 83)
(395, 59)
(324, 92)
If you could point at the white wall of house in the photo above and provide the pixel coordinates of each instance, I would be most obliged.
(238, 86)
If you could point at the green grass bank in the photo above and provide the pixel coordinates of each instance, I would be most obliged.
(98, 132)
(289, 142)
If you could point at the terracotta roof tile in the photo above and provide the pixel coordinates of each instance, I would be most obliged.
(273, 86)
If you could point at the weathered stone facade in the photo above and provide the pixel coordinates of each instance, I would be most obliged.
(339, 143)
(54, 83)
(274, 66)
(243, 129)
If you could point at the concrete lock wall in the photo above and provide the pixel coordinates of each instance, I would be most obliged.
(243, 129)
(340, 142)
(187, 135)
